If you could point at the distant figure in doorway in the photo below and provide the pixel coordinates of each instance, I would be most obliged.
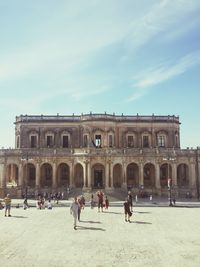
(130, 200)
(92, 201)
(7, 201)
(127, 211)
(100, 200)
(174, 201)
(74, 211)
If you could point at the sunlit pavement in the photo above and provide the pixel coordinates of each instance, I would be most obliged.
(156, 236)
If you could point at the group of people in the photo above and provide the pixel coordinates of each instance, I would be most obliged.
(102, 203)
(79, 204)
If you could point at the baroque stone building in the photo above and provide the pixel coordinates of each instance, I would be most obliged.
(106, 151)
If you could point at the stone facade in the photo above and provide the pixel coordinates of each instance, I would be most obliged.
(106, 151)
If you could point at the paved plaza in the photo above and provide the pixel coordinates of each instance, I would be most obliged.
(157, 236)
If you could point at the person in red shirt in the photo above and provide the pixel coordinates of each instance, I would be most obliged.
(106, 202)
(100, 200)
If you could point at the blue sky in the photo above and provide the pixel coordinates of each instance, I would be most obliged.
(103, 55)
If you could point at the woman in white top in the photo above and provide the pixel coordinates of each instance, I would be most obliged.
(74, 211)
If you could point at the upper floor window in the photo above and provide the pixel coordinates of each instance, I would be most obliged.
(98, 140)
(110, 140)
(65, 141)
(85, 140)
(18, 142)
(49, 140)
(33, 141)
(161, 141)
(145, 141)
(176, 141)
(130, 141)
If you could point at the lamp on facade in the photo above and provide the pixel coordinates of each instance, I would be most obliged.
(169, 179)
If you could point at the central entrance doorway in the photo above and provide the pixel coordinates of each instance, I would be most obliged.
(98, 178)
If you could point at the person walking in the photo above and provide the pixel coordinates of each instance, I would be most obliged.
(25, 205)
(127, 211)
(130, 200)
(106, 203)
(7, 201)
(79, 200)
(100, 200)
(92, 201)
(74, 211)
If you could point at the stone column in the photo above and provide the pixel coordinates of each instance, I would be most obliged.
(141, 174)
(157, 176)
(124, 184)
(71, 178)
(192, 175)
(107, 175)
(37, 178)
(54, 175)
(89, 174)
(84, 174)
(174, 174)
(21, 175)
(111, 175)
(2, 175)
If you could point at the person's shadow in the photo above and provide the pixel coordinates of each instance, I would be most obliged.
(139, 222)
(20, 217)
(90, 221)
(113, 212)
(79, 227)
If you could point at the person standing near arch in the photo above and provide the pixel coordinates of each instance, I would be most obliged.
(7, 201)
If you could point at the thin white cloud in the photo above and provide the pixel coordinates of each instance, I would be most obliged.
(161, 18)
(136, 95)
(144, 82)
(179, 31)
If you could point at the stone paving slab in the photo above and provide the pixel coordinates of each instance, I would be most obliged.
(158, 236)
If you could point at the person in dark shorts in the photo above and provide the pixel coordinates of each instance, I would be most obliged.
(127, 211)
(100, 200)
(130, 200)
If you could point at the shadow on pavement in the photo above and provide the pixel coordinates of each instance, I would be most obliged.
(90, 228)
(113, 212)
(139, 222)
(89, 221)
(20, 217)
(141, 212)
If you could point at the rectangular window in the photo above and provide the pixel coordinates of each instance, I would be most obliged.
(130, 141)
(110, 140)
(49, 140)
(65, 141)
(98, 140)
(85, 141)
(161, 141)
(33, 141)
(145, 141)
(17, 141)
(176, 140)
